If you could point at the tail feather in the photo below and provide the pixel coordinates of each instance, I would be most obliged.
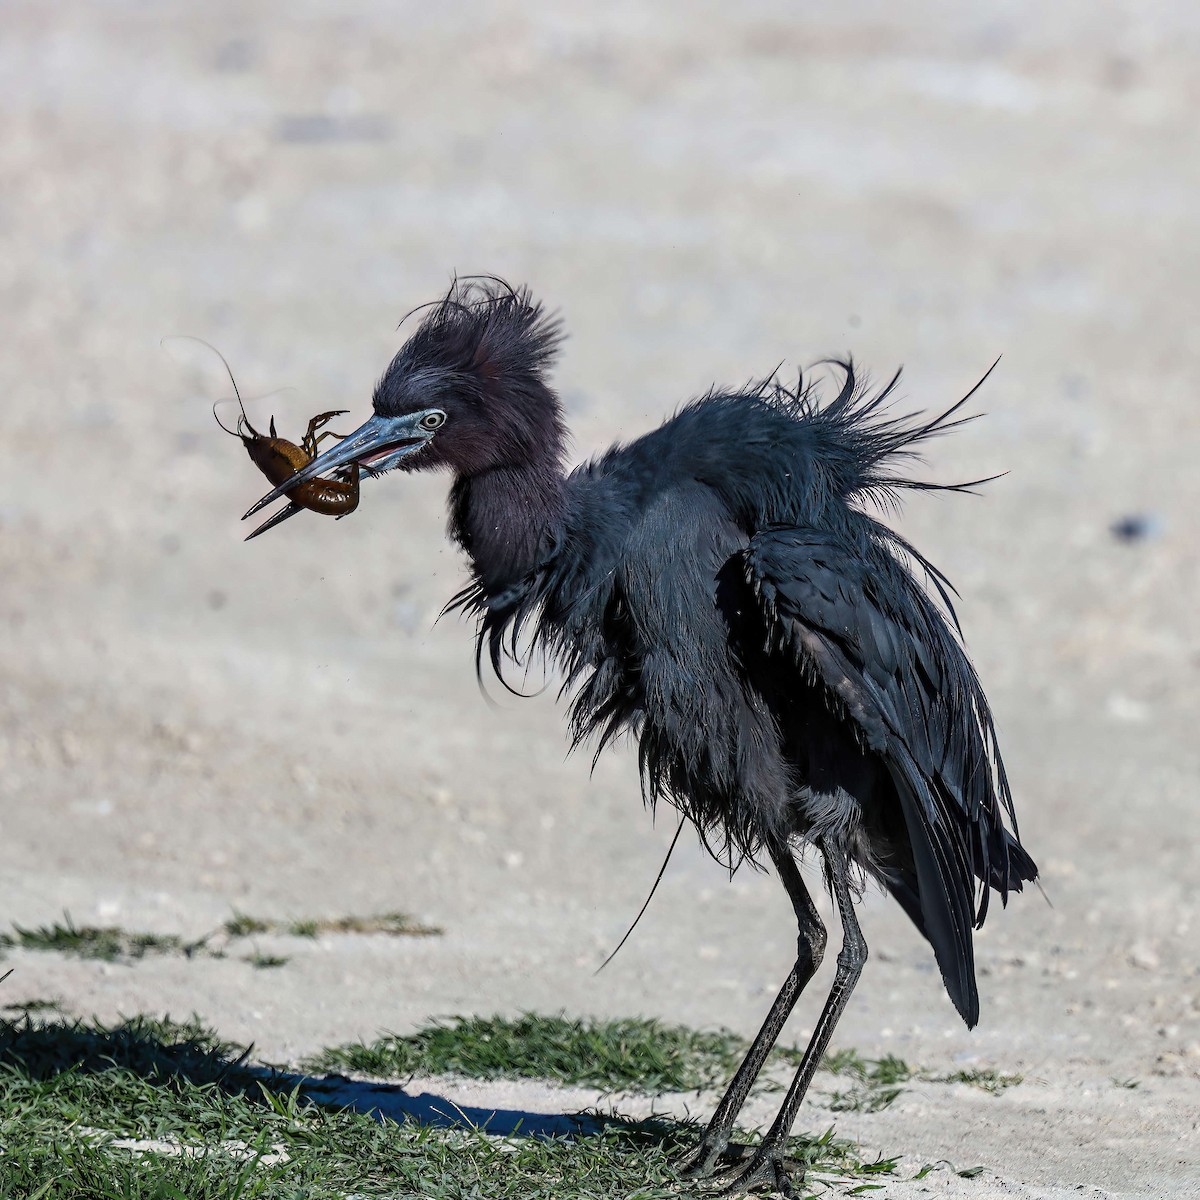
(944, 891)
(937, 892)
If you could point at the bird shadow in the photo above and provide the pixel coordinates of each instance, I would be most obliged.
(393, 1102)
(168, 1054)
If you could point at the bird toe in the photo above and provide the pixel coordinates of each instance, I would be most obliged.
(702, 1163)
(766, 1169)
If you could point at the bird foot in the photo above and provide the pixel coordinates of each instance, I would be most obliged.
(766, 1169)
(715, 1160)
(703, 1162)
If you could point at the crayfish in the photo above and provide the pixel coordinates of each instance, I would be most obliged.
(278, 459)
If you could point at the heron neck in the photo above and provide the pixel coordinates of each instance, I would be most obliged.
(502, 517)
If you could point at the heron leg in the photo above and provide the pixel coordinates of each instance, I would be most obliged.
(767, 1165)
(810, 948)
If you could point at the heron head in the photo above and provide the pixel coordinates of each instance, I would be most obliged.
(467, 391)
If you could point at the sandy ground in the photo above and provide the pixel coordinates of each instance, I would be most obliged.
(189, 724)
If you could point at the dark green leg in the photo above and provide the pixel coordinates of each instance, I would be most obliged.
(810, 948)
(767, 1165)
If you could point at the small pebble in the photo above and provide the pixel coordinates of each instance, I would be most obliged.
(1137, 527)
(1143, 957)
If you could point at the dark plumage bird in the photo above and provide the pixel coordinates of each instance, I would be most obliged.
(719, 590)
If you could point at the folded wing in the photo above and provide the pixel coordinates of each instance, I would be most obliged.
(855, 618)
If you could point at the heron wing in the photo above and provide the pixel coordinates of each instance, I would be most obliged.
(857, 620)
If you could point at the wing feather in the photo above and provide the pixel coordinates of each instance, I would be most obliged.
(854, 616)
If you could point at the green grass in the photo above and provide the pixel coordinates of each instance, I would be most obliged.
(91, 941)
(36, 1004)
(987, 1079)
(394, 924)
(206, 1125)
(616, 1055)
(628, 1055)
(881, 1080)
(266, 962)
(113, 944)
(240, 925)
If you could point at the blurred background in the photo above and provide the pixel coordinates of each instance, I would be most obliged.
(190, 725)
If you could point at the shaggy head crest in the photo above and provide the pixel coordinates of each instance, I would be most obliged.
(480, 354)
(483, 339)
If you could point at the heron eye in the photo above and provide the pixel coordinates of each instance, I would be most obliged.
(433, 420)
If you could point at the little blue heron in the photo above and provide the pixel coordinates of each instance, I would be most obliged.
(719, 590)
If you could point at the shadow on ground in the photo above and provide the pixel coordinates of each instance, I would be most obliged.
(390, 1100)
(171, 1054)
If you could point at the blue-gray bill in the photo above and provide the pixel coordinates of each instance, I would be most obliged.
(377, 445)
(290, 510)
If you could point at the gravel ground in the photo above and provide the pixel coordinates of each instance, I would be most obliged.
(190, 725)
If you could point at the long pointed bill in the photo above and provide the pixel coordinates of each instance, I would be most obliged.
(284, 514)
(378, 444)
